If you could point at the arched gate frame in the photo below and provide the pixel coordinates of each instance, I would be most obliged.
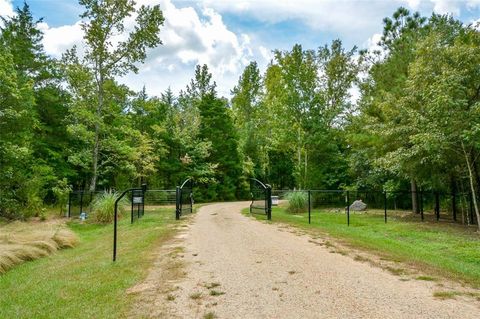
(261, 198)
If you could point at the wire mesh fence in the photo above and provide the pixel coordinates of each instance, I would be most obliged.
(160, 197)
(81, 202)
(399, 205)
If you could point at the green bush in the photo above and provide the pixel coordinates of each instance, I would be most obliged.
(297, 202)
(103, 207)
(61, 191)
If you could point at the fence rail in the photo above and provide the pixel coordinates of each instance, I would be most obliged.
(425, 205)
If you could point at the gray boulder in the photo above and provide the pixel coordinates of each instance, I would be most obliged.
(358, 206)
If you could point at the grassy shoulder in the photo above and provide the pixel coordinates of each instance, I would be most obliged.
(84, 282)
(447, 250)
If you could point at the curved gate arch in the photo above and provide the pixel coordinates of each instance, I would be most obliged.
(261, 198)
(184, 198)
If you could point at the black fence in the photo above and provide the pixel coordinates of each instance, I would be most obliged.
(137, 200)
(160, 197)
(184, 199)
(261, 198)
(81, 202)
(406, 205)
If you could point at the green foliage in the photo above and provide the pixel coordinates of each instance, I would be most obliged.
(103, 207)
(16, 125)
(297, 202)
(61, 191)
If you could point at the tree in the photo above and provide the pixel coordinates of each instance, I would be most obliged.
(444, 89)
(16, 123)
(247, 104)
(384, 86)
(21, 34)
(216, 126)
(106, 58)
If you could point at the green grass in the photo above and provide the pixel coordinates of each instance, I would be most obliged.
(83, 282)
(452, 251)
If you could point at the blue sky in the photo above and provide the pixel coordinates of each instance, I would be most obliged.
(228, 34)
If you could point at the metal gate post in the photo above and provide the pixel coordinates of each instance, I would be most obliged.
(177, 203)
(348, 208)
(81, 202)
(269, 202)
(385, 204)
(309, 207)
(131, 211)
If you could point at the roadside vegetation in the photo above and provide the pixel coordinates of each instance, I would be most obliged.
(442, 249)
(22, 241)
(84, 282)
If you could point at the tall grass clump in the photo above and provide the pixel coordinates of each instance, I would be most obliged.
(21, 242)
(103, 207)
(297, 202)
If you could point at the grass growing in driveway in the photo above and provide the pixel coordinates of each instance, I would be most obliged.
(449, 250)
(83, 282)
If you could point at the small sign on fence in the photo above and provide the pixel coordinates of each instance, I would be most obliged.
(137, 200)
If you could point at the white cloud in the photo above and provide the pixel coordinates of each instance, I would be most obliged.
(372, 42)
(266, 54)
(413, 4)
(57, 40)
(446, 7)
(473, 4)
(189, 37)
(336, 16)
(193, 37)
(6, 9)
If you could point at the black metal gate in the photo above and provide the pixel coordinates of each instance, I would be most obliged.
(261, 198)
(138, 198)
(184, 199)
(138, 204)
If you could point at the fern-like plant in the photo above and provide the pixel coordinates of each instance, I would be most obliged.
(103, 207)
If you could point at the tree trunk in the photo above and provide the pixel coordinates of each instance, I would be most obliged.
(96, 146)
(414, 192)
(93, 182)
(475, 168)
(472, 186)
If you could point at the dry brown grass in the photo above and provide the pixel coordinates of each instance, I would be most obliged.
(25, 241)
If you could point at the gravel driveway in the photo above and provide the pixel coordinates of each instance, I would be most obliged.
(237, 267)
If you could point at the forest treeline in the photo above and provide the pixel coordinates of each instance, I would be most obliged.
(69, 124)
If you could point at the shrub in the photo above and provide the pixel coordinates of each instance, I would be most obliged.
(297, 202)
(103, 207)
(61, 191)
